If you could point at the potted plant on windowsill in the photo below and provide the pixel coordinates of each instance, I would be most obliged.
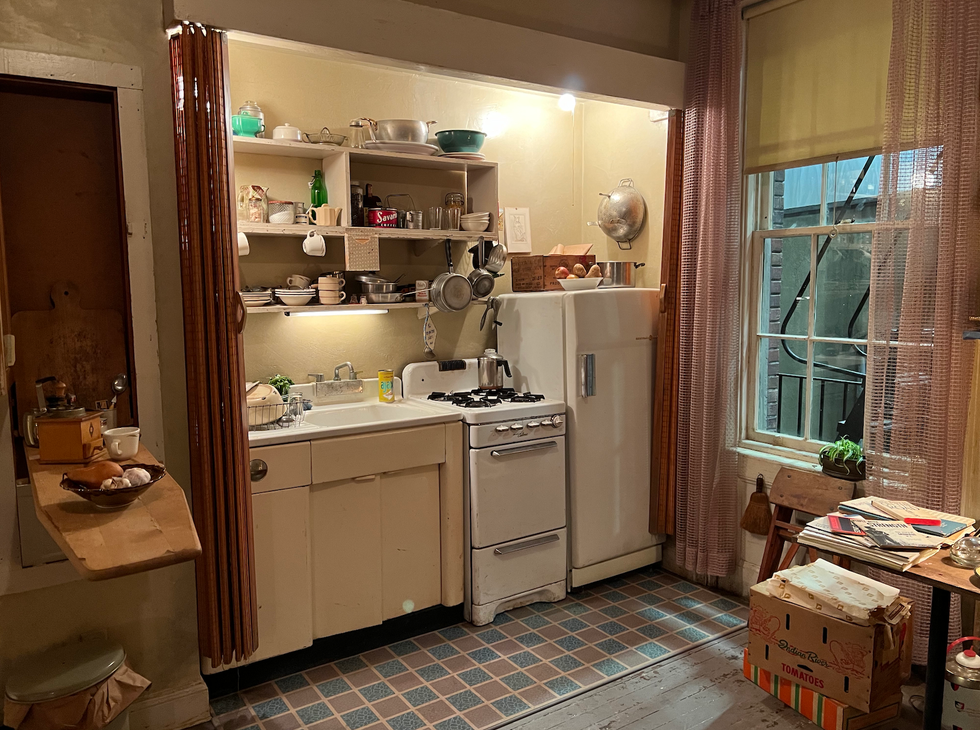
(843, 459)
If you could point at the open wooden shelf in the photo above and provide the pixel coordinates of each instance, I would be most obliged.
(333, 308)
(154, 531)
(396, 234)
(277, 148)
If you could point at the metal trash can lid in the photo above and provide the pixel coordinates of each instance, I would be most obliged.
(63, 671)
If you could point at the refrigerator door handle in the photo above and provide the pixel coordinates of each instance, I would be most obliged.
(586, 374)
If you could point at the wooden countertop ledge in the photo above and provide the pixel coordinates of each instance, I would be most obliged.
(154, 531)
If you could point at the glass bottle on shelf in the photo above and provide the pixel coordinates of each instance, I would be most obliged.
(318, 190)
(370, 199)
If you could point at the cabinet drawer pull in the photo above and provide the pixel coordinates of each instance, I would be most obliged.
(365, 478)
(258, 469)
(523, 449)
(536, 542)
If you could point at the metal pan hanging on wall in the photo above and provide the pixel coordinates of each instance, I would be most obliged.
(621, 213)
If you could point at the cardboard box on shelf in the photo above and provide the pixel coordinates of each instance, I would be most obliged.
(537, 273)
(823, 711)
(860, 666)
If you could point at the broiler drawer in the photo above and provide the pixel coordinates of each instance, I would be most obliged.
(517, 566)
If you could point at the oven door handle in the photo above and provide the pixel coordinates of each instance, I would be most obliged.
(517, 547)
(523, 449)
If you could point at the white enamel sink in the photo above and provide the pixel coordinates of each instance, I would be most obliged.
(400, 413)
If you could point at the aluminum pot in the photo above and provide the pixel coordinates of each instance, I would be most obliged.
(617, 274)
(402, 130)
(621, 213)
(393, 298)
(451, 292)
(491, 368)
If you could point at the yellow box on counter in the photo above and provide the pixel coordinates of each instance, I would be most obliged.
(860, 666)
(820, 710)
(537, 273)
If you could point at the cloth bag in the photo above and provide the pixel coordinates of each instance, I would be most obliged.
(88, 709)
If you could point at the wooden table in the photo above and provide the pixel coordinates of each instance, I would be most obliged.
(154, 531)
(945, 577)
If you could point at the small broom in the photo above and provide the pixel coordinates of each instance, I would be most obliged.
(757, 515)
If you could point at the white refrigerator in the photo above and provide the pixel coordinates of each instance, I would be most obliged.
(596, 350)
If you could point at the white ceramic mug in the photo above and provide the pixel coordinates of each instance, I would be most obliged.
(332, 297)
(122, 443)
(325, 215)
(327, 283)
(243, 248)
(314, 245)
(298, 281)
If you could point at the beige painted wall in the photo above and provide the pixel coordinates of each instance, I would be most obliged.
(152, 615)
(551, 161)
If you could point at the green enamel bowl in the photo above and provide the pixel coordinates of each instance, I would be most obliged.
(460, 140)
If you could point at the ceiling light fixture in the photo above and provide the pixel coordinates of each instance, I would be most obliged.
(327, 313)
(566, 102)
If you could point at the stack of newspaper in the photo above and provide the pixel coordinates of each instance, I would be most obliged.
(894, 534)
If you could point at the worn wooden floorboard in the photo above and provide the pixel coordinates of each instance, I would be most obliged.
(701, 690)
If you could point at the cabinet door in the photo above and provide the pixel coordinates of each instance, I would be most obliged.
(346, 549)
(282, 570)
(412, 578)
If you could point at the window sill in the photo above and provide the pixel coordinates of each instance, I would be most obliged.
(778, 455)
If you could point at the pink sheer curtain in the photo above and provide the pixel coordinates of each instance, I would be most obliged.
(706, 460)
(924, 266)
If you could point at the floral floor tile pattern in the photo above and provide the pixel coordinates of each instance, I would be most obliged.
(469, 677)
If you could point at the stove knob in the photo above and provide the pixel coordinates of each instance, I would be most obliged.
(556, 421)
(533, 424)
(517, 427)
(502, 429)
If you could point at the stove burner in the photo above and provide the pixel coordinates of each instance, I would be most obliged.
(525, 398)
(475, 403)
(438, 395)
(484, 397)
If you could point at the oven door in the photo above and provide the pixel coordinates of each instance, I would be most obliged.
(516, 490)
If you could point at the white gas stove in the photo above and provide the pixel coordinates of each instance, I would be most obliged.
(515, 549)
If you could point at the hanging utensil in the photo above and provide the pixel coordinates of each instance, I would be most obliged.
(497, 258)
(493, 304)
(621, 213)
(480, 278)
(451, 292)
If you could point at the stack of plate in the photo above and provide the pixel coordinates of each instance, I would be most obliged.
(410, 148)
(295, 297)
(257, 298)
(464, 155)
(475, 222)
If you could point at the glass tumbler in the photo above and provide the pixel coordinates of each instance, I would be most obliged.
(451, 218)
(435, 218)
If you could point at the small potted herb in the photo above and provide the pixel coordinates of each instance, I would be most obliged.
(843, 459)
(281, 383)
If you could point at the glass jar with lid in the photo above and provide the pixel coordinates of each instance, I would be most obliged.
(456, 200)
(252, 109)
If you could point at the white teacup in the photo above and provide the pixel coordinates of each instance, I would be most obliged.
(314, 245)
(334, 283)
(298, 281)
(332, 297)
(122, 443)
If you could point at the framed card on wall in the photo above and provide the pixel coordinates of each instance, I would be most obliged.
(517, 230)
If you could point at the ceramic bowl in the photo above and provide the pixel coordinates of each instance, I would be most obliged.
(460, 140)
(294, 300)
(579, 284)
(475, 225)
(115, 498)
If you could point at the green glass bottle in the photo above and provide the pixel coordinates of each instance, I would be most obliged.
(318, 190)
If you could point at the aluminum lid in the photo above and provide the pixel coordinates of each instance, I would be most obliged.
(63, 671)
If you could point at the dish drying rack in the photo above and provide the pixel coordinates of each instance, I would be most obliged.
(276, 416)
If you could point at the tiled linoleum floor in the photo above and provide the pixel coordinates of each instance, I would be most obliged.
(480, 677)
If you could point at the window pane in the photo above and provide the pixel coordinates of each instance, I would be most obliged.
(842, 176)
(782, 386)
(785, 300)
(843, 276)
(836, 400)
(796, 197)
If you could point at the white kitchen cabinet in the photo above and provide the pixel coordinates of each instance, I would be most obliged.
(346, 550)
(410, 541)
(281, 521)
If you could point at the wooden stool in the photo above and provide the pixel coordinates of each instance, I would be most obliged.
(809, 492)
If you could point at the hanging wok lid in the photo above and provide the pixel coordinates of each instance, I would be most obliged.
(621, 212)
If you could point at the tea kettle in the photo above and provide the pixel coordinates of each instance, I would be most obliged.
(492, 367)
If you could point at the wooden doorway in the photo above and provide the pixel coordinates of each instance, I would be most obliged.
(65, 285)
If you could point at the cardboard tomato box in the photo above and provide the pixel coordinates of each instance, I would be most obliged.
(860, 666)
(822, 711)
(537, 273)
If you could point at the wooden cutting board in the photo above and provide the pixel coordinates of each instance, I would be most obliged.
(84, 347)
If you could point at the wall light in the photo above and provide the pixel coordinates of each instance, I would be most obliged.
(566, 102)
(343, 312)
(494, 124)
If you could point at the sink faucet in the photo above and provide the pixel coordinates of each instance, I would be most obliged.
(315, 377)
(350, 368)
